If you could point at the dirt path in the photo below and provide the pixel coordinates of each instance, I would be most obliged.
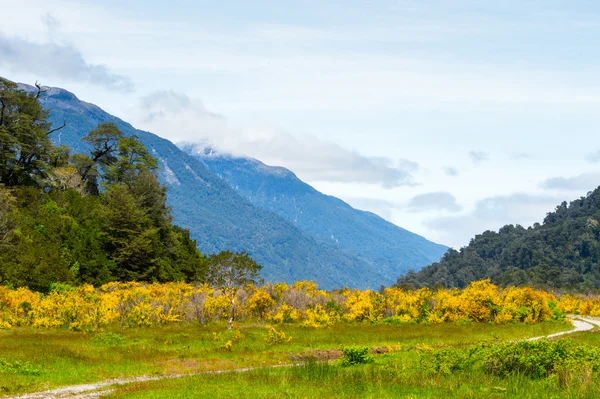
(97, 390)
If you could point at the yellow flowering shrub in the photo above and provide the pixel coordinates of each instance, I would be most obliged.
(481, 300)
(260, 303)
(141, 304)
(316, 317)
(286, 314)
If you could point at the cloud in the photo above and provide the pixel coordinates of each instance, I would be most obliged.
(381, 207)
(434, 201)
(593, 157)
(478, 157)
(451, 171)
(56, 60)
(491, 214)
(584, 181)
(181, 119)
(519, 156)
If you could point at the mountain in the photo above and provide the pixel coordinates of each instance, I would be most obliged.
(561, 253)
(216, 215)
(392, 249)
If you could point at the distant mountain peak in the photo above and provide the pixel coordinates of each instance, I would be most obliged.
(205, 151)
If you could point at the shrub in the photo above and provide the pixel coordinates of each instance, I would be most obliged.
(276, 337)
(18, 367)
(355, 355)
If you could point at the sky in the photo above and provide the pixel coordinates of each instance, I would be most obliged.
(447, 118)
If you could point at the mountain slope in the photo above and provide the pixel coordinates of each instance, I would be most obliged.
(218, 217)
(563, 253)
(392, 249)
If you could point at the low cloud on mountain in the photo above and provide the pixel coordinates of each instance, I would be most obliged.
(181, 119)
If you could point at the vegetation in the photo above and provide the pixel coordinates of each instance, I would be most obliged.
(39, 359)
(136, 304)
(562, 253)
(229, 272)
(410, 373)
(83, 218)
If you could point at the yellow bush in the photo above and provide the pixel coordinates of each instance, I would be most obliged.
(260, 303)
(141, 304)
(286, 314)
(276, 337)
(316, 317)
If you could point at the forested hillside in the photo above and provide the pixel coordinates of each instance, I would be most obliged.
(562, 253)
(89, 217)
(392, 249)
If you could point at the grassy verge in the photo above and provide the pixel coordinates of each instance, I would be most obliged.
(33, 360)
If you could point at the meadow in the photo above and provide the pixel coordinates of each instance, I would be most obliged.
(34, 360)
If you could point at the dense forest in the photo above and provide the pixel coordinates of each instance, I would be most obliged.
(82, 218)
(561, 253)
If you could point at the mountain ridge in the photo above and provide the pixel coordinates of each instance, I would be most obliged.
(366, 235)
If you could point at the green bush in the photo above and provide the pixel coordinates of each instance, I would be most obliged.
(18, 367)
(537, 359)
(355, 355)
(533, 359)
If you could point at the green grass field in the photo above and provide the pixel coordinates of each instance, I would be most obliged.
(33, 360)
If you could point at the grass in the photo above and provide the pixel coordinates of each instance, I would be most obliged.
(43, 359)
(379, 380)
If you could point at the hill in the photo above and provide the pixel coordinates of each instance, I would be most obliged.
(392, 249)
(561, 253)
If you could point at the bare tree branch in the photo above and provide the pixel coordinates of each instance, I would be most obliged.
(57, 128)
(40, 91)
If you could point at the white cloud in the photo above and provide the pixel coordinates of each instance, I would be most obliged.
(176, 116)
(492, 214)
(451, 171)
(438, 201)
(478, 157)
(584, 181)
(593, 157)
(53, 59)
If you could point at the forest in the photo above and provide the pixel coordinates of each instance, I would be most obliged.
(82, 218)
(561, 253)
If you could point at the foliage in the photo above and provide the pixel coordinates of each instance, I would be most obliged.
(229, 272)
(355, 355)
(89, 218)
(19, 367)
(533, 359)
(561, 253)
(135, 304)
(276, 337)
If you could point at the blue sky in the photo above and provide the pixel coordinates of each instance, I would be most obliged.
(447, 118)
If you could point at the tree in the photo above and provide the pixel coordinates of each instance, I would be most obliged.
(228, 272)
(7, 223)
(25, 145)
